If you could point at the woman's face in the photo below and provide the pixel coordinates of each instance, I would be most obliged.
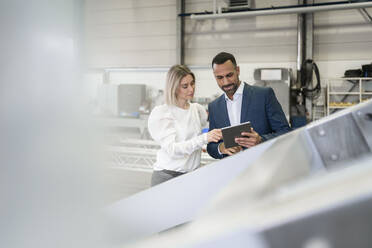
(186, 89)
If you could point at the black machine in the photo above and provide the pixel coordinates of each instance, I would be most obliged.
(304, 89)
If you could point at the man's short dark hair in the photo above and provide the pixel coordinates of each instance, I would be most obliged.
(222, 57)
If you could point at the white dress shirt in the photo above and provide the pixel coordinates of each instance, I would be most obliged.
(178, 131)
(234, 106)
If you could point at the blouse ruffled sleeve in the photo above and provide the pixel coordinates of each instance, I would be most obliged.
(203, 115)
(161, 125)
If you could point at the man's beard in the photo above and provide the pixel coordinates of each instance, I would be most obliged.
(230, 91)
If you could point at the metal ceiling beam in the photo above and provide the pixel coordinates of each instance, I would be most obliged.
(282, 11)
(180, 46)
(365, 15)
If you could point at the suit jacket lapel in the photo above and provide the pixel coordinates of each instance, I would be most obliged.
(223, 108)
(245, 103)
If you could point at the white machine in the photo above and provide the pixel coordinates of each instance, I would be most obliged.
(291, 191)
(279, 80)
(122, 100)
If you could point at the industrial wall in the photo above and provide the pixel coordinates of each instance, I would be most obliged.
(338, 35)
(143, 33)
(123, 33)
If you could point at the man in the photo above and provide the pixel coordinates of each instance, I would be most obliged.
(241, 103)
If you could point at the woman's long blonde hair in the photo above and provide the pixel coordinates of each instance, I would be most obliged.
(174, 77)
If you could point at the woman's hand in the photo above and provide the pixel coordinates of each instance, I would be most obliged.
(214, 135)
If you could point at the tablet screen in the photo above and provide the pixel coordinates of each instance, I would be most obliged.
(230, 133)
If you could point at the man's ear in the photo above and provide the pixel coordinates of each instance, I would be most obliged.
(238, 70)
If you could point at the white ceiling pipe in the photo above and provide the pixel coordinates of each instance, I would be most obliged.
(142, 69)
(310, 9)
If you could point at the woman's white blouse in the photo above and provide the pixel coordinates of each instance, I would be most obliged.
(178, 131)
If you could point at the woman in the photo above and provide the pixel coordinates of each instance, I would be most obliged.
(176, 126)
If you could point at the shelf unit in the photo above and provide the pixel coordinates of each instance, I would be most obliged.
(346, 92)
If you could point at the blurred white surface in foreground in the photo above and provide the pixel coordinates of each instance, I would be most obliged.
(49, 180)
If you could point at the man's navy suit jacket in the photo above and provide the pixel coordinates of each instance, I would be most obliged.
(259, 106)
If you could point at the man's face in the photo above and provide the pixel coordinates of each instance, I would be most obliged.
(227, 77)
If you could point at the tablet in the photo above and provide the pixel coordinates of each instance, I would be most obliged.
(230, 133)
